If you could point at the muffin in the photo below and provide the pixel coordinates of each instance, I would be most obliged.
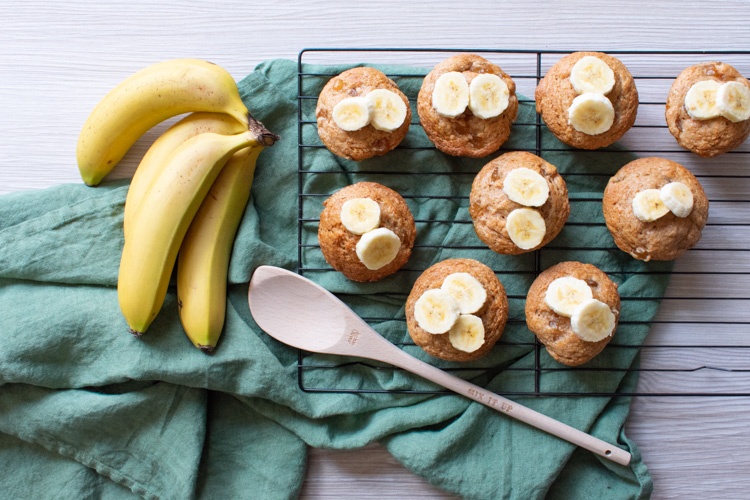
(588, 100)
(708, 109)
(467, 105)
(366, 231)
(457, 310)
(573, 309)
(518, 203)
(361, 113)
(655, 209)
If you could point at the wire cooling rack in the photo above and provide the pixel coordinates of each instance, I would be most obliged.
(699, 342)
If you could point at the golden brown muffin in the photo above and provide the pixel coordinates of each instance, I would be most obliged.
(338, 244)
(466, 134)
(490, 205)
(368, 141)
(555, 94)
(494, 312)
(667, 237)
(554, 330)
(713, 136)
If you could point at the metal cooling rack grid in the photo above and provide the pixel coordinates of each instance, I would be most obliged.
(653, 72)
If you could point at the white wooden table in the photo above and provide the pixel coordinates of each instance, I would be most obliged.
(58, 58)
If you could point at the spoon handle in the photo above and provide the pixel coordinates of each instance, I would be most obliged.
(380, 349)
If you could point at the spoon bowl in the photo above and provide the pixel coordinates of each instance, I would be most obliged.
(310, 327)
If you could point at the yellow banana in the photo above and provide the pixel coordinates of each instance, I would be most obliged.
(159, 223)
(203, 261)
(146, 98)
(155, 159)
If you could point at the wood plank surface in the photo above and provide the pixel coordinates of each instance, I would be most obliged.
(58, 58)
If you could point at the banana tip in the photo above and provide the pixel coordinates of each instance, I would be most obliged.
(207, 349)
(91, 181)
(135, 333)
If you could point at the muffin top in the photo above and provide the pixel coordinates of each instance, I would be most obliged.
(556, 330)
(480, 299)
(672, 231)
(565, 86)
(496, 193)
(355, 87)
(366, 231)
(471, 133)
(708, 134)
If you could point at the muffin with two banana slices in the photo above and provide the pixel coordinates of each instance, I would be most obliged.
(467, 105)
(573, 309)
(708, 108)
(588, 100)
(457, 310)
(518, 203)
(655, 209)
(366, 231)
(361, 113)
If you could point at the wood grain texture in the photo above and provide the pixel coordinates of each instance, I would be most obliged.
(58, 58)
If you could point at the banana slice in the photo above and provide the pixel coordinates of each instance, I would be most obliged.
(526, 186)
(387, 109)
(360, 215)
(489, 95)
(451, 94)
(467, 290)
(591, 74)
(678, 198)
(436, 311)
(592, 320)
(648, 205)
(591, 113)
(565, 294)
(351, 114)
(378, 248)
(526, 228)
(467, 334)
(700, 100)
(733, 101)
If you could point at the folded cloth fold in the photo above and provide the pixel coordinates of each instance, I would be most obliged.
(88, 410)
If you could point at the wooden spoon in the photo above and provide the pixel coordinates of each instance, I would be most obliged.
(302, 314)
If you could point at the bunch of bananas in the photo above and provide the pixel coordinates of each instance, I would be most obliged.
(188, 194)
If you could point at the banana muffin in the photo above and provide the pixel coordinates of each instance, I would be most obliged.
(361, 113)
(366, 231)
(588, 100)
(573, 309)
(655, 209)
(467, 105)
(518, 203)
(708, 108)
(457, 310)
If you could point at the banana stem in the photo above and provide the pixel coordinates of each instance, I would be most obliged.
(265, 136)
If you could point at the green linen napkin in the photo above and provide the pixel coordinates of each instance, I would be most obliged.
(87, 410)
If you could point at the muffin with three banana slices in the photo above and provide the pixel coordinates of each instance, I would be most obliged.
(457, 310)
